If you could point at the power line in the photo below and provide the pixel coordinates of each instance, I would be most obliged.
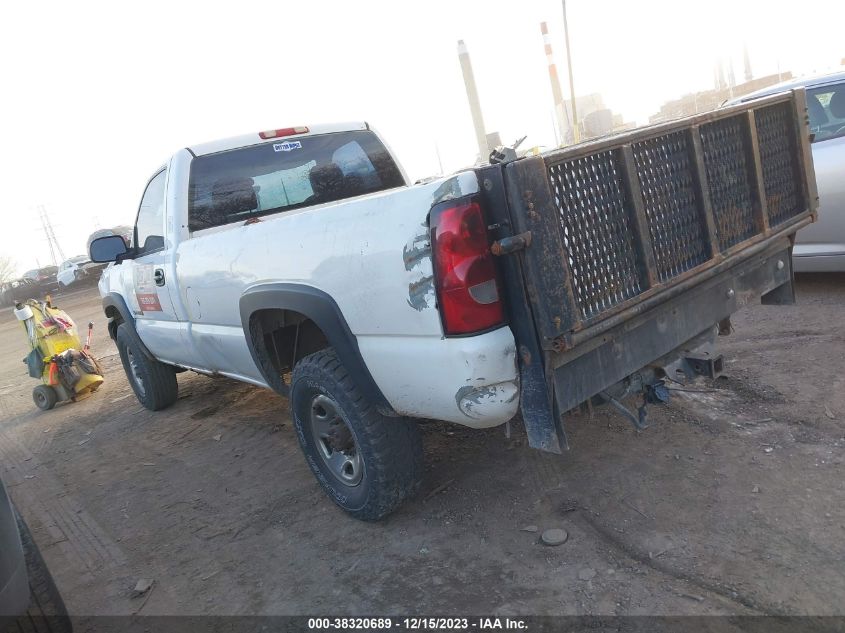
(52, 242)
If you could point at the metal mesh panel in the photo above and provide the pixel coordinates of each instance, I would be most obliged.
(727, 178)
(596, 231)
(665, 172)
(779, 161)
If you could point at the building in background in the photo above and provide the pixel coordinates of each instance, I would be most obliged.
(707, 100)
(594, 119)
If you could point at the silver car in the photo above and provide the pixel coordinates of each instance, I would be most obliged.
(820, 247)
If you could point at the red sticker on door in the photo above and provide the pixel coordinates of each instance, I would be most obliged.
(148, 302)
(145, 289)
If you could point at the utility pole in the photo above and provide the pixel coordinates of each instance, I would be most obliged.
(52, 242)
(576, 128)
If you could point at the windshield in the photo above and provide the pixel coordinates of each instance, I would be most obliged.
(253, 181)
(826, 105)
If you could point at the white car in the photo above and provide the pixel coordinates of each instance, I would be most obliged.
(77, 269)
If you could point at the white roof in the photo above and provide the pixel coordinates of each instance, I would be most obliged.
(246, 140)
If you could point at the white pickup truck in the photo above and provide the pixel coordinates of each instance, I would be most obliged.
(302, 260)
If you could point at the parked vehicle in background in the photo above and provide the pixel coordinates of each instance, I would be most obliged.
(820, 247)
(302, 260)
(29, 599)
(20, 290)
(44, 277)
(78, 269)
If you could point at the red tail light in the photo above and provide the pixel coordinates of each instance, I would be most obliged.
(285, 131)
(464, 272)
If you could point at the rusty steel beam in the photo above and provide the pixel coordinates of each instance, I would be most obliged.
(758, 184)
(702, 192)
(648, 263)
(548, 276)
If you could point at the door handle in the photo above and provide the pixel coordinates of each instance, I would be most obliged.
(158, 276)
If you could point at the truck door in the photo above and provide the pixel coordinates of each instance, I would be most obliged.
(155, 315)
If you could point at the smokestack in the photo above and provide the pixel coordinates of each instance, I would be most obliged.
(722, 83)
(560, 110)
(474, 103)
(747, 59)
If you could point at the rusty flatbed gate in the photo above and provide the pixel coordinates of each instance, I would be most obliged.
(642, 241)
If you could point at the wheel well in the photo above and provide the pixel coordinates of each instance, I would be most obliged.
(115, 319)
(282, 338)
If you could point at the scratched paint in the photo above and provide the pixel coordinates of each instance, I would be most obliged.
(474, 401)
(458, 186)
(417, 250)
(421, 293)
(416, 256)
(449, 190)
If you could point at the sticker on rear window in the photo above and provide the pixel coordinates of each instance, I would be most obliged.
(287, 146)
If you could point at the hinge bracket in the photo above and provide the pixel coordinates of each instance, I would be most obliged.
(512, 244)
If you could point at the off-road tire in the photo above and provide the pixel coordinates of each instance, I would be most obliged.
(154, 383)
(390, 448)
(46, 612)
(44, 397)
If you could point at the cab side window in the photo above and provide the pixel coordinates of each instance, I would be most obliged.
(149, 227)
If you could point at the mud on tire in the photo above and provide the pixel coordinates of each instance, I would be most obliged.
(386, 451)
(154, 383)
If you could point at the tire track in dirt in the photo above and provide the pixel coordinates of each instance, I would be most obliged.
(62, 516)
(635, 553)
(20, 458)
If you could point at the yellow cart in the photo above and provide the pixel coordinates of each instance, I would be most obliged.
(58, 358)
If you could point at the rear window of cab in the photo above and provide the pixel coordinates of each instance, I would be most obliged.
(826, 107)
(236, 185)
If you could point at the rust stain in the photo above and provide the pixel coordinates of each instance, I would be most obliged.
(525, 353)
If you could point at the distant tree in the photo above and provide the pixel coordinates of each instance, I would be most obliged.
(7, 269)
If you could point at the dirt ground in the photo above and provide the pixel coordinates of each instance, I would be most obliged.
(733, 501)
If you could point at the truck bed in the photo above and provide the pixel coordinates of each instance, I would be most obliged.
(640, 242)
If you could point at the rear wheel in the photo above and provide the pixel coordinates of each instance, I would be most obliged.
(366, 462)
(45, 397)
(154, 383)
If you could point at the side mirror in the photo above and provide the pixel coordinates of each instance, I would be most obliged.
(107, 249)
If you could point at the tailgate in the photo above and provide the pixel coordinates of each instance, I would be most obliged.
(628, 224)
